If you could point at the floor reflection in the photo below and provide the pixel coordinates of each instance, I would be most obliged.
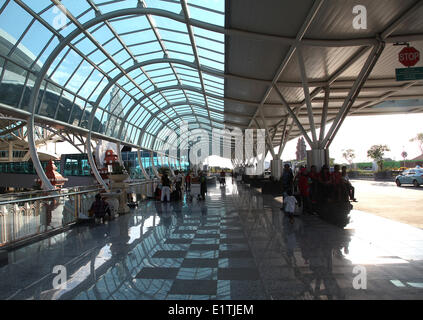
(236, 244)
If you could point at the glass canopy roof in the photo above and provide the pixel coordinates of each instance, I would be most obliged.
(136, 75)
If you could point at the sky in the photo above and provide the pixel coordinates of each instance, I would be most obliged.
(360, 133)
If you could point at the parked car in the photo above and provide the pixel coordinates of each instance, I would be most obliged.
(410, 176)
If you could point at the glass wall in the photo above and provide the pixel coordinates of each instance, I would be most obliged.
(146, 163)
(76, 165)
(23, 167)
(130, 161)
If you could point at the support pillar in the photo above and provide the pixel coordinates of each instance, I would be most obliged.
(139, 158)
(276, 169)
(156, 173)
(318, 158)
(93, 164)
(45, 182)
(11, 152)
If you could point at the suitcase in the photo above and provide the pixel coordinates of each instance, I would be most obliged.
(174, 196)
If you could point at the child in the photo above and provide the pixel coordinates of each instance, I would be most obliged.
(289, 205)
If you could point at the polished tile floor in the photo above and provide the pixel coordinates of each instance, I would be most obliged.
(235, 245)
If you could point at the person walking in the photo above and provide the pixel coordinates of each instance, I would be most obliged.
(188, 181)
(222, 178)
(290, 203)
(203, 185)
(178, 184)
(165, 188)
(287, 179)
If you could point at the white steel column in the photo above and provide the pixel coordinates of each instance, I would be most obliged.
(93, 164)
(45, 182)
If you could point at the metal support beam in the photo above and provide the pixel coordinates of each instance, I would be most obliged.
(268, 142)
(139, 158)
(283, 138)
(299, 38)
(156, 173)
(306, 93)
(324, 116)
(94, 166)
(45, 182)
(355, 90)
(294, 117)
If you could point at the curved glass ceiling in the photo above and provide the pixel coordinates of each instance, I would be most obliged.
(154, 69)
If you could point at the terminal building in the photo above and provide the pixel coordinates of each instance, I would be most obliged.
(111, 97)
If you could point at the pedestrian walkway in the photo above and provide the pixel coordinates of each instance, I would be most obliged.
(234, 245)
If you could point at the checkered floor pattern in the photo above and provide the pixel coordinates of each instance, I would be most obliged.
(206, 256)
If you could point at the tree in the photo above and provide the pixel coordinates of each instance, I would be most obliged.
(376, 153)
(419, 140)
(349, 155)
(301, 153)
(404, 155)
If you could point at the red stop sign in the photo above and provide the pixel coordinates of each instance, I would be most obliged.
(409, 56)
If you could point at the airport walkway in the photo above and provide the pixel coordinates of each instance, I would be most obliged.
(235, 245)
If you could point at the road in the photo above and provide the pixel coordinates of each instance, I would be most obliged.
(385, 199)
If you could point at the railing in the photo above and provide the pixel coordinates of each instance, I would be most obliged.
(36, 213)
(24, 218)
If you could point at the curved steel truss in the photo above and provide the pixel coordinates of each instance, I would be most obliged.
(132, 71)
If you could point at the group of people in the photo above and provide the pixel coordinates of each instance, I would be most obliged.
(174, 186)
(314, 187)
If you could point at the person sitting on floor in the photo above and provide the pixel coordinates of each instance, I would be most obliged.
(100, 208)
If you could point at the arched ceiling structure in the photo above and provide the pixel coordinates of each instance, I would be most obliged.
(132, 70)
(114, 66)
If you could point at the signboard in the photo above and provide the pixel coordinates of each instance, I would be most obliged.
(409, 74)
(409, 56)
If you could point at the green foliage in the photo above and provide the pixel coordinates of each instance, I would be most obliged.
(377, 152)
(363, 165)
(163, 171)
(118, 169)
(388, 164)
(349, 155)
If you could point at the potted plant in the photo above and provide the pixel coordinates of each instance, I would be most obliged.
(118, 173)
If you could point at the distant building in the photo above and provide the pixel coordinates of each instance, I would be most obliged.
(419, 158)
